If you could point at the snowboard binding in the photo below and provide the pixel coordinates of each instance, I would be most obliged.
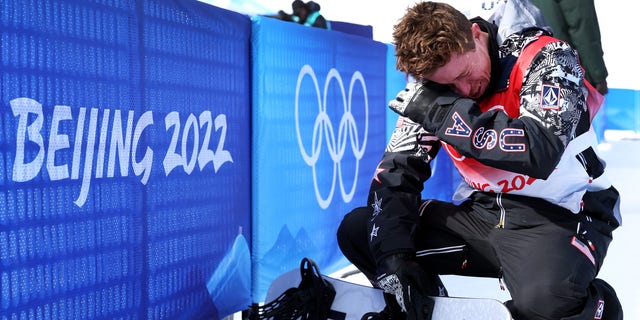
(311, 300)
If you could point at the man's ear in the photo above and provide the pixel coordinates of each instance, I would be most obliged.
(476, 31)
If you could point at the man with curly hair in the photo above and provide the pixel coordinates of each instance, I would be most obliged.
(535, 208)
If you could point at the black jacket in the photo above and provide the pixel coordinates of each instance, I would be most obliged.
(395, 192)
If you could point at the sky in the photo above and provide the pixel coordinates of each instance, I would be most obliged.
(614, 18)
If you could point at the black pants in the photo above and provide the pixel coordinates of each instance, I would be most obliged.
(547, 256)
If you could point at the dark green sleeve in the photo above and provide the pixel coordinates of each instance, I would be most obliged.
(576, 22)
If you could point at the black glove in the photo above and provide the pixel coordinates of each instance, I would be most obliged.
(401, 276)
(425, 103)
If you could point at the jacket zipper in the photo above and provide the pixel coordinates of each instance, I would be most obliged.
(500, 225)
(503, 212)
(500, 281)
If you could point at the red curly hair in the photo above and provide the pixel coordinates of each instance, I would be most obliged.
(427, 35)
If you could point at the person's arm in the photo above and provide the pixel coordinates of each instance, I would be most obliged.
(531, 144)
(396, 186)
(394, 197)
(584, 34)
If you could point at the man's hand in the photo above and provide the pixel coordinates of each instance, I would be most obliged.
(402, 276)
(425, 103)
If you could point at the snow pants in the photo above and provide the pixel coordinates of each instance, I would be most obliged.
(547, 256)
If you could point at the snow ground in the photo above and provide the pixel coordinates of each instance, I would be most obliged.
(622, 154)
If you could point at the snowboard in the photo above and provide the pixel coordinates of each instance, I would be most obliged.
(353, 300)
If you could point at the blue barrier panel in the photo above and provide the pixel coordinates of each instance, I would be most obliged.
(70, 222)
(444, 178)
(621, 110)
(352, 28)
(318, 134)
(396, 81)
(196, 81)
(124, 159)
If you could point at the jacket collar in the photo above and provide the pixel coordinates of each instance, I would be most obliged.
(496, 71)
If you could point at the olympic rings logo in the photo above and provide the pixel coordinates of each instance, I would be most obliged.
(323, 129)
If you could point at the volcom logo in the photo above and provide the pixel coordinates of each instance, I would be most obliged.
(323, 129)
(550, 97)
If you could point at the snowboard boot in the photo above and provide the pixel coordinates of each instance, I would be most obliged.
(602, 303)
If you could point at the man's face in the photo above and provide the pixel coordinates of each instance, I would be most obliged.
(467, 74)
